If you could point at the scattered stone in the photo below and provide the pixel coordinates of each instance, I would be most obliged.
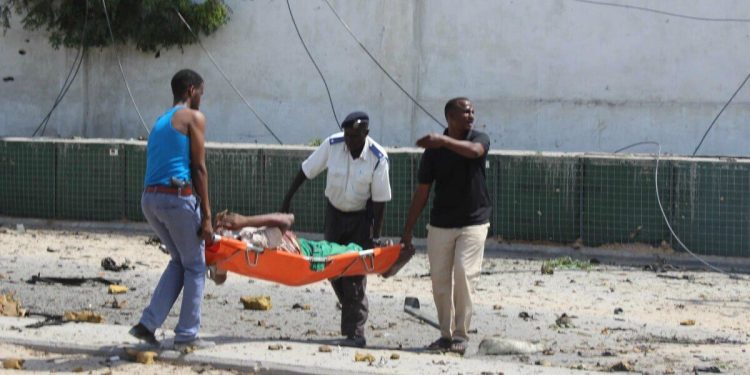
(564, 321)
(689, 322)
(8, 79)
(324, 349)
(311, 332)
(538, 283)
(9, 306)
(51, 250)
(543, 363)
(395, 356)
(473, 330)
(525, 316)
(146, 358)
(115, 304)
(21, 52)
(299, 306)
(595, 261)
(608, 353)
(548, 351)
(502, 346)
(117, 289)
(82, 316)
(288, 347)
(547, 269)
(78, 369)
(275, 347)
(618, 311)
(109, 264)
(622, 366)
(13, 363)
(364, 357)
(497, 307)
(261, 303)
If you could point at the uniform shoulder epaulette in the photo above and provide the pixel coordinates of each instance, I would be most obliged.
(375, 150)
(334, 140)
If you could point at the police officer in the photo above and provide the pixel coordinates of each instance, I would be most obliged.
(357, 187)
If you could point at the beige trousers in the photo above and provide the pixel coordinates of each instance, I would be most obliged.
(455, 256)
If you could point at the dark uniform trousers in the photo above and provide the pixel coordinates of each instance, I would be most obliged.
(345, 227)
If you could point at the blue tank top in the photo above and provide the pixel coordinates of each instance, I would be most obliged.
(167, 152)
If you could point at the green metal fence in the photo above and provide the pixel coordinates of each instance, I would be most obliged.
(595, 199)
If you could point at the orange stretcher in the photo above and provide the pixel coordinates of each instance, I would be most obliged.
(292, 269)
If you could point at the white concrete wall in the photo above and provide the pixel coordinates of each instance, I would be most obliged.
(552, 75)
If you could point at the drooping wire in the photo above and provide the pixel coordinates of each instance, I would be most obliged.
(68, 80)
(227, 78)
(122, 71)
(671, 14)
(719, 114)
(664, 214)
(330, 99)
(381, 66)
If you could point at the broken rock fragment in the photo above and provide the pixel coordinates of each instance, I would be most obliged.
(9, 306)
(364, 357)
(261, 303)
(13, 363)
(82, 316)
(503, 346)
(117, 289)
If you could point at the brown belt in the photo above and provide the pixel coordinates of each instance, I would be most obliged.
(187, 190)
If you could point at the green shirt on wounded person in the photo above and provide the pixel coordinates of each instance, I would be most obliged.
(324, 249)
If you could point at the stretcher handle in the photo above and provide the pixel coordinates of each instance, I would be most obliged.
(368, 259)
(256, 250)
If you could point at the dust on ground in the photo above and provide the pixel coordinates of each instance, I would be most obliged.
(612, 315)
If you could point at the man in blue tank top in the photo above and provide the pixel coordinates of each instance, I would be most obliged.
(175, 168)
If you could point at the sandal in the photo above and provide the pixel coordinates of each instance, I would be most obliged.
(440, 344)
(458, 346)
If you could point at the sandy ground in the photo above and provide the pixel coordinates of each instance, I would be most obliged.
(647, 333)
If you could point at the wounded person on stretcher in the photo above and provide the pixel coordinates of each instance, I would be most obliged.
(271, 231)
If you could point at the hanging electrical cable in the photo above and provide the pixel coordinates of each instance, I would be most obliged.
(330, 99)
(662, 12)
(227, 78)
(122, 71)
(664, 214)
(719, 114)
(381, 66)
(77, 61)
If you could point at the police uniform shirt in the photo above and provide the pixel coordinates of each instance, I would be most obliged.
(350, 182)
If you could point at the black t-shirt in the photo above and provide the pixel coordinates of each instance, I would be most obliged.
(461, 197)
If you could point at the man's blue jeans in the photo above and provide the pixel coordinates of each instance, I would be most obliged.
(176, 220)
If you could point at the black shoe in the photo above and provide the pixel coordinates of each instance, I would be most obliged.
(353, 342)
(140, 332)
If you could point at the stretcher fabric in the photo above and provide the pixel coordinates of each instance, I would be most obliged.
(293, 269)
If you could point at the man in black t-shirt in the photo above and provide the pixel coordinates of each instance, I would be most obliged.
(455, 163)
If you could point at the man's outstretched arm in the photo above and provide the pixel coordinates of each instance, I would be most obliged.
(296, 183)
(233, 221)
(418, 202)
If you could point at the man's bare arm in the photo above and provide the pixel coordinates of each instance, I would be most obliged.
(299, 179)
(468, 149)
(418, 202)
(196, 132)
